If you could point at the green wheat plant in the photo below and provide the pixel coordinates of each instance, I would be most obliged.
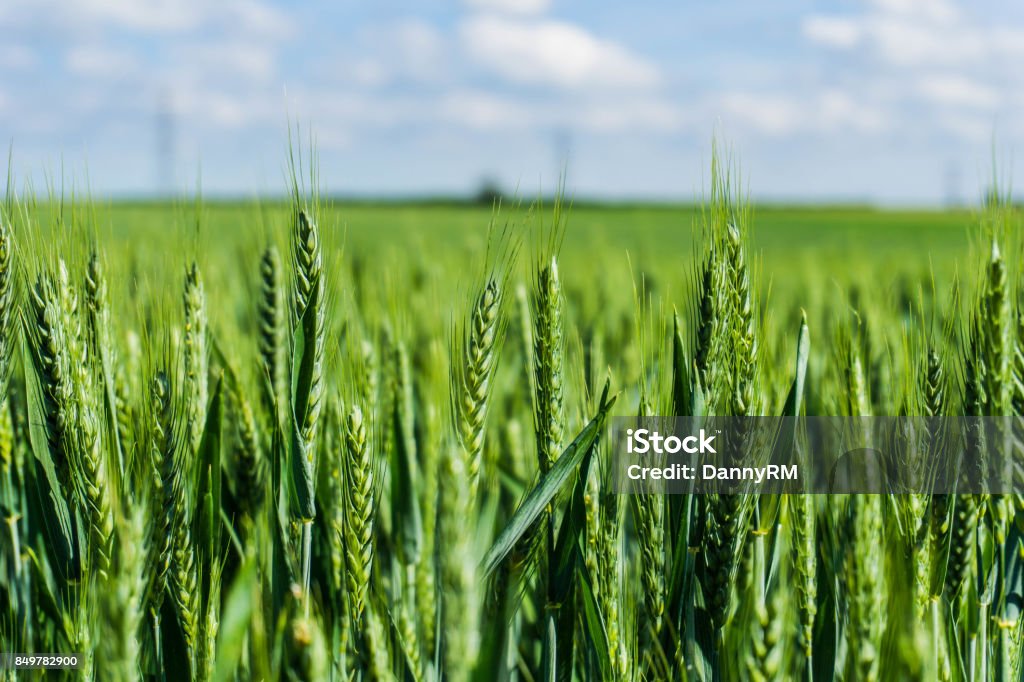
(317, 447)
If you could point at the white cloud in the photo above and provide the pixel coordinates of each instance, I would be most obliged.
(905, 41)
(79, 17)
(553, 53)
(417, 50)
(367, 72)
(838, 111)
(485, 111)
(780, 114)
(773, 114)
(400, 52)
(958, 91)
(1007, 40)
(511, 6)
(966, 127)
(913, 33)
(623, 115)
(229, 112)
(100, 61)
(203, 106)
(604, 114)
(838, 32)
(236, 59)
(159, 16)
(353, 108)
(936, 11)
(942, 70)
(254, 17)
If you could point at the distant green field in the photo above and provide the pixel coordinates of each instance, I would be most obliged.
(657, 237)
(806, 251)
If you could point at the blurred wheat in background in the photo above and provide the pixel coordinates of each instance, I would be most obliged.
(279, 449)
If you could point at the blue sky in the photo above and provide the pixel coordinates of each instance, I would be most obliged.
(892, 101)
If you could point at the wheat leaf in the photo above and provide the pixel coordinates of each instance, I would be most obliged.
(546, 489)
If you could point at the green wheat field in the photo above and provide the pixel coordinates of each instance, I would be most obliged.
(313, 440)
